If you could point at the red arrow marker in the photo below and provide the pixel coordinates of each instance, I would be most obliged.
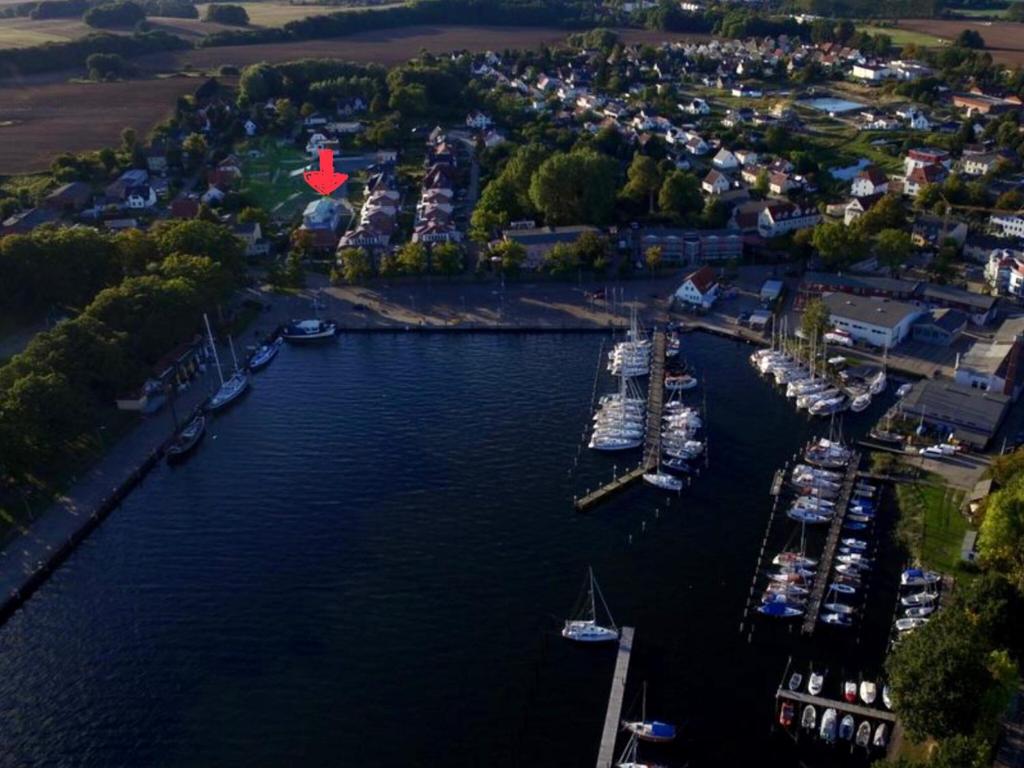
(325, 180)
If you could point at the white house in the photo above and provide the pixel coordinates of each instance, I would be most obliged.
(140, 197)
(869, 181)
(696, 107)
(1010, 224)
(875, 321)
(994, 365)
(317, 142)
(250, 128)
(212, 195)
(699, 288)
(746, 157)
(1004, 273)
(715, 183)
(725, 160)
(870, 73)
(782, 217)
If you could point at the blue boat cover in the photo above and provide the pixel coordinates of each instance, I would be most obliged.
(775, 609)
(663, 730)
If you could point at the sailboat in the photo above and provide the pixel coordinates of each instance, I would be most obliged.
(262, 357)
(585, 629)
(230, 389)
(187, 439)
(630, 757)
(649, 730)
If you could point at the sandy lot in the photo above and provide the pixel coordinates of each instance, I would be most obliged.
(1003, 39)
(40, 121)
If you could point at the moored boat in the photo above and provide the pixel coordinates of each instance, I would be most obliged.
(262, 357)
(187, 439)
(299, 331)
(584, 627)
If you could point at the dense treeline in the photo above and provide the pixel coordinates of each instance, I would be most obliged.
(178, 9)
(49, 57)
(153, 288)
(123, 13)
(224, 13)
(505, 13)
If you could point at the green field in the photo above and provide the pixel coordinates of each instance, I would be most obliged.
(931, 525)
(903, 36)
(269, 180)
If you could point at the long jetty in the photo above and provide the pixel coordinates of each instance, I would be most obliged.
(831, 543)
(652, 440)
(840, 706)
(606, 754)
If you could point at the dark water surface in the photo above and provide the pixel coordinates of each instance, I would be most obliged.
(367, 562)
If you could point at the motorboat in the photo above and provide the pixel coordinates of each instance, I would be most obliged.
(829, 406)
(584, 628)
(300, 331)
(843, 608)
(263, 355)
(868, 691)
(836, 619)
(881, 737)
(614, 443)
(780, 610)
(795, 590)
(909, 624)
(877, 385)
(915, 577)
(676, 465)
(187, 439)
(860, 402)
(846, 728)
(887, 696)
(850, 569)
(850, 691)
(863, 738)
(919, 598)
(773, 596)
(854, 544)
(853, 525)
(794, 558)
(680, 383)
(786, 714)
(904, 389)
(919, 612)
(828, 726)
(843, 589)
(855, 559)
(809, 718)
(815, 683)
(663, 480)
(795, 680)
(808, 516)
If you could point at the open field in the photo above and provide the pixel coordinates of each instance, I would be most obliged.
(389, 46)
(1003, 39)
(276, 14)
(902, 36)
(24, 32)
(41, 121)
(931, 524)
(269, 180)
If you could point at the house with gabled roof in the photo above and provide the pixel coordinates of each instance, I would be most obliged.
(699, 288)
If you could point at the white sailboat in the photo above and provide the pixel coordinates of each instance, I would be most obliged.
(584, 628)
(649, 730)
(230, 389)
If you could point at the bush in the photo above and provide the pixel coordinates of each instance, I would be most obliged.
(59, 9)
(118, 14)
(104, 66)
(177, 9)
(234, 15)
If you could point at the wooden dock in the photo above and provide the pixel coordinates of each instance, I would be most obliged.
(860, 710)
(606, 755)
(652, 440)
(831, 543)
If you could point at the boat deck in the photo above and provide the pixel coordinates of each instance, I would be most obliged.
(610, 734)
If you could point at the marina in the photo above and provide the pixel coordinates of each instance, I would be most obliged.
(610, 733)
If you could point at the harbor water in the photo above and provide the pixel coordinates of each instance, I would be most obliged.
(368, 559)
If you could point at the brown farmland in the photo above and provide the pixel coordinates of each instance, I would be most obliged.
(39, 121)
(1003, 39)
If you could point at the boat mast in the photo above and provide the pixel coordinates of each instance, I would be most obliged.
(595, 587)
(213, 348)
(234, 357)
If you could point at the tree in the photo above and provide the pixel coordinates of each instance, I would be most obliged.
(1012, 199)
(511, 255)
(117, 14)
(355, 265)
(251, 214)
(815, 321)
(715, 214)
(1001, 538)
(680, 195)
(286, 114)
(888, 213)
(195, 148)
(104, 66)
(761, 184)
(652, 257)
(561, 260)
(575, 188)
(892, 246)
(969, 38)
(223, 13)
(591, 249)
(129, 140)
(939, 677)
(837, 244)
(447, 258)
(201, 238)
(412, 258)
(643, 179)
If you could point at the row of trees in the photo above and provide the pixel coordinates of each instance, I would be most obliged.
(51, 393)
(357, 265)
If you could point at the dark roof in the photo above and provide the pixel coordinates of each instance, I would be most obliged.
(951, 295)
(874, 174)
(975, 413)
(71, 191)
(878, 312)
(949, 320)
(860, 282)
(546, 235)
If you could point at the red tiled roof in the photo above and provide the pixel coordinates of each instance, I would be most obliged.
(703, 279)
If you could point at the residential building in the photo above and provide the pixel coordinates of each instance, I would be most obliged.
(870, 73)
(725, 160)
(859, 206)
(934, 231)
(979, 165)
(699, 288)
(715, 183)
(1011, 225)
(869, 181)
(922, 175)
(1004, 273)
(68, 198)
(538, 241)
(23, 222)
(979, 307)
(878, 322)
(786, 217)
(321, 219)
(251, 234)
(816, 284)
(684, 247)
(923, 156)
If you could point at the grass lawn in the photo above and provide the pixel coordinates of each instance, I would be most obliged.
(270, 181)
(277, 14)
(931, 524)
(903, 36)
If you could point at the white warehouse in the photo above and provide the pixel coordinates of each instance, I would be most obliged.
(876, 321)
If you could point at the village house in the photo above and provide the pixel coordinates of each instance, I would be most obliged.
(251, 234)
(715, 183)
(1004, 273)
(869, 181)
(860, 205)
(68, 198)
(321, 219)
(538, 241)
(870, 73)
(1011, 225)
(725, 160)
(922, 175)
(939, 327)
(478, 120)
(933, 231)
(699, 288)
(785, 217)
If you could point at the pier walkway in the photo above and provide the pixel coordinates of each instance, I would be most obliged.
(606, 755)
(843, 706)
(652, 441)
(831, 543)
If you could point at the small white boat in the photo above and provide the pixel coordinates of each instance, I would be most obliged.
(904, 390)
(836, 619)
(794, 558)
(262, 357)
(309, 330)
(887, 696)
(909, 625)
(816, 683)
(881, 736)
(809, 717)
(868, 692)
(663, 480)
(919, 612)
(846, 727)
(794, 681)
(584, 628)
(849, 610)
(828, 726)
(863, 735)
(850, 691)
(861, 402)
(915, 577)
(680, 383)
(877, 385)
